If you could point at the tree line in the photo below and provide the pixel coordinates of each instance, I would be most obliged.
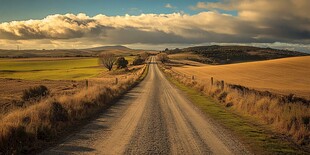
(108, 60)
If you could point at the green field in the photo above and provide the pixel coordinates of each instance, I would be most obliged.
(54, 69)
(51, 68)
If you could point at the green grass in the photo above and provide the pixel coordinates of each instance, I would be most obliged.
(68, 69)
(257, 137)
(54, 69)
(130, 59)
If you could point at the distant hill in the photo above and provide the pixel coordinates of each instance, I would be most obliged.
(234, 54)
(90, 52)
(118, 47)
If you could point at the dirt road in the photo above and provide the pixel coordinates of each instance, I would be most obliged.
(152, 118)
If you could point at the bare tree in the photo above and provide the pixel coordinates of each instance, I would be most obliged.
(107, 60)
(163, 57)
(144, 55)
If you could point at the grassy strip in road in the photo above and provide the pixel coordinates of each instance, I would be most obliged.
(257, 137)
(144, 72)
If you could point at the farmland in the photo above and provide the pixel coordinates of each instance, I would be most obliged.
(232, 54)
(51, 68)
(61, 75)
(272, 92)
(287, 75)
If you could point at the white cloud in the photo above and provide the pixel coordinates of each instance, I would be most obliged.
(261, 21)
(168, 5)
(70, 26)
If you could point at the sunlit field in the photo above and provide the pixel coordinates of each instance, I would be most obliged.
(288, 75)
(51, 68)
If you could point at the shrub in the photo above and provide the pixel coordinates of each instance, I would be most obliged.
(35, 93)
(138, 61)
(121, 62)
(58, 113)
(144, 55)
(163, 57)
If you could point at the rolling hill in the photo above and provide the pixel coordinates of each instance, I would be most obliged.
(102, 48)
(234, 54)
(286, 75)
(90, 52)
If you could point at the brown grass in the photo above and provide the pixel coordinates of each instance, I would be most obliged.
(24, 130)
(285, 76)
(183, 56)
(284, 114)
(181, 59)
(11, 89)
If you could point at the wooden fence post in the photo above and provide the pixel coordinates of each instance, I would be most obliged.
(193, 77)
(222, 84)
(116, 81)
(211, 81)
(86, 83)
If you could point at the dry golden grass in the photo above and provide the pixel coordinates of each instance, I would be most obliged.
(287, 75)
(183, 56)
(181, 59)
(285, 114)
(22, 130)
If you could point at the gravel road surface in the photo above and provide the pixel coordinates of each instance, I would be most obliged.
(153, 118)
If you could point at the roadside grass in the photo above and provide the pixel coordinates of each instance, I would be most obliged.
(254, 135)
(283, 76)
(52, 69)
(26, 130)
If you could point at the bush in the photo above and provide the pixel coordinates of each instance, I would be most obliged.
(58, 113)
(138, 61)
(35, 93)
(121, 62)
(163, 57)
(144, 55)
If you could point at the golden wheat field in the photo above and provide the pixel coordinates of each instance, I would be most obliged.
(182, 56)
(287, 75)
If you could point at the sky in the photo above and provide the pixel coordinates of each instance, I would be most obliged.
(154, 24)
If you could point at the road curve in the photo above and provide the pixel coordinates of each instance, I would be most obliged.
(152, 118)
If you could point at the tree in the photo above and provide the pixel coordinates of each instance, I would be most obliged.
(121, 62)
(163, 57)
(144, 55)
(138, 60)
(107, 60)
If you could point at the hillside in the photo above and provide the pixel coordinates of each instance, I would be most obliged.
(117, 47)
(90, 52)
(287, 75)
(234, 54)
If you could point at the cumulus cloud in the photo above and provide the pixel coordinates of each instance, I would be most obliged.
(277, 20)
(261, 21)
(135, 28)
(52, 27)
(168, 5)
